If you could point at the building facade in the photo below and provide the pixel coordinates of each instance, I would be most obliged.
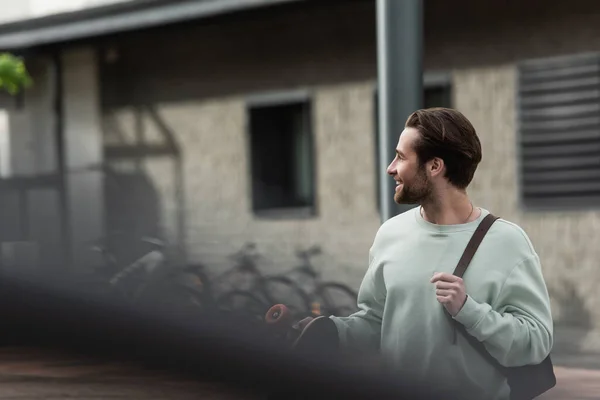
(261, 126)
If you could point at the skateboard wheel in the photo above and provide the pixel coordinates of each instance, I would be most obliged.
(279, 315)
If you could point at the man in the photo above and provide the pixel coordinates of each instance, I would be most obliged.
(408, 287)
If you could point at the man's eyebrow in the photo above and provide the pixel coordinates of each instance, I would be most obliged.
(401, 154)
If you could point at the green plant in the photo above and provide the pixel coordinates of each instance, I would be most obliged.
(13, 74)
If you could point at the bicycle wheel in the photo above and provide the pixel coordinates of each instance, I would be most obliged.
(242, 303)
(282, 290)
(336, 299)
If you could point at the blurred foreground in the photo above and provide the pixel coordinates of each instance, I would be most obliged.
(35, 373)
(240, 353)
(59, 345)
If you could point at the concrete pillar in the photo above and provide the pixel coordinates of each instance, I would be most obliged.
(400, 79)
(83, 152)
(30, 194)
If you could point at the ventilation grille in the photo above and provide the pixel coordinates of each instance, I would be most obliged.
(559, 121)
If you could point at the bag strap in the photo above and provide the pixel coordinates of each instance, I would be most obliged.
(463, 263)
(476, 239)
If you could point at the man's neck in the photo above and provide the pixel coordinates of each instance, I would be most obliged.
(452, 208)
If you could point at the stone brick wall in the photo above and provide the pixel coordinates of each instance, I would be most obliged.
(218, 216)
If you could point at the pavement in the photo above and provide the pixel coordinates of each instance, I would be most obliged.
(36, 374)
(574, 384)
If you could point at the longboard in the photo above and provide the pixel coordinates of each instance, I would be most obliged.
(320, 335)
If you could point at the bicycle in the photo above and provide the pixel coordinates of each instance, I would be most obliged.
(124, 280)
(328, 298)
(259, 292)
(150, 280)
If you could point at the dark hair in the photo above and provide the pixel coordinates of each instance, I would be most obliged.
(449, 135)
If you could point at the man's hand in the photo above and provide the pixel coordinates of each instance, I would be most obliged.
(450, 291)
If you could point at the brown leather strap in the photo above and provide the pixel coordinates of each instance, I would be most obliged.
(473, 244)
(461, 267)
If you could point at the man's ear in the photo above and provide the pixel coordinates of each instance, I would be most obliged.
(436, 166)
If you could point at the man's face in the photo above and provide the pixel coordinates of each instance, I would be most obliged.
(413, 185)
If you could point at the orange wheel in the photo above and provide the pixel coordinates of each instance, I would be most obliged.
(279, 315)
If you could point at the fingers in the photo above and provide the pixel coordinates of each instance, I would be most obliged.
(447, 285)
(445, 293)
(444, 277)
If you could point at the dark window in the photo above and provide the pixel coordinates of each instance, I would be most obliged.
(281, 157)
(559, 132)
(438, 95)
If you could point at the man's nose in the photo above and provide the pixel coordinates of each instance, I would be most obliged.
(391, 169)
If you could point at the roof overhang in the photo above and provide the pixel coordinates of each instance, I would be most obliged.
(115, 18)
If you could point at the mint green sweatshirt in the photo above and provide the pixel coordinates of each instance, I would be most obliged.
(507, 305)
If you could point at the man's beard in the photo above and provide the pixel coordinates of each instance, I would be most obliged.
(417, 192)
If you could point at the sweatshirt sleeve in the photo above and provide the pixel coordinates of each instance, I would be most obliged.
(517, 328)
(362, 330)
